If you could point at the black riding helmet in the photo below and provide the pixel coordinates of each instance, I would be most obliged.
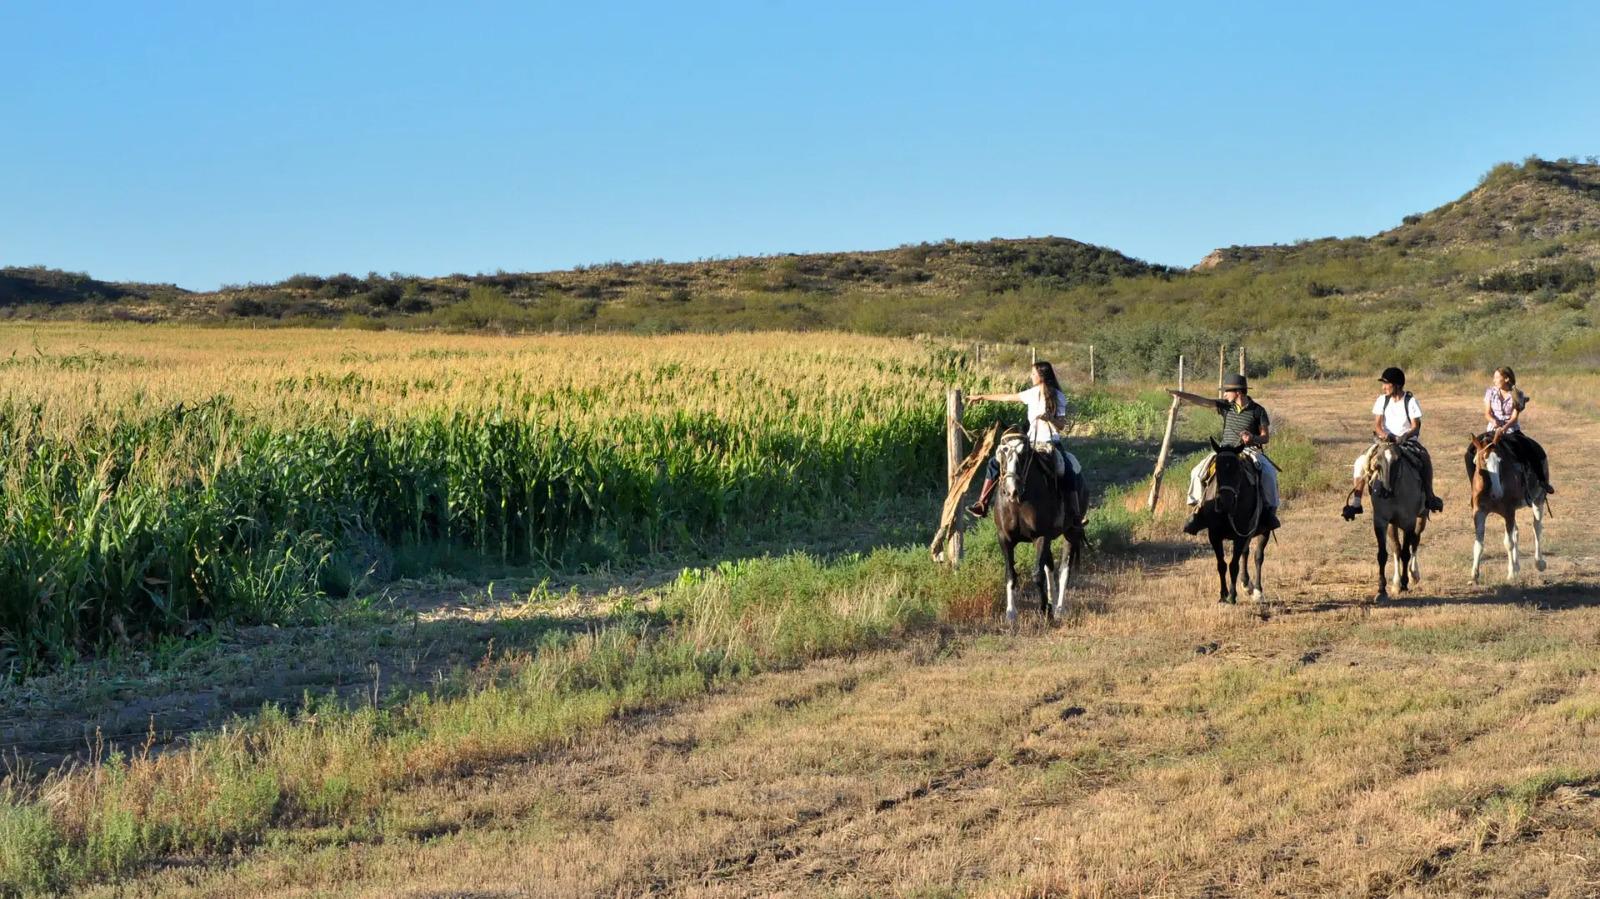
(1392, 375)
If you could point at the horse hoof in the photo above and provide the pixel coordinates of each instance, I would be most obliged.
(1382, 595)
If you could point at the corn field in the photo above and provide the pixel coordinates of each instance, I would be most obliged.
(153, 476)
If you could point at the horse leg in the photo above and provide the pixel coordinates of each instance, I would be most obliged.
(1064, 574)
(1043, 570)
(1222, 565)
(1379, 530)
(1479, 518)
(1233, 570)
(1403, 540)
(1009, 551)
(1414, 542)
(1538, 535)
(1259, 593)
(1513, 563)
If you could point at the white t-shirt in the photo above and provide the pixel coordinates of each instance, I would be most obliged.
(1396, 412)
(1040, 430)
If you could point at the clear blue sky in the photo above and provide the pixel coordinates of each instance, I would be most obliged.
(213, 142)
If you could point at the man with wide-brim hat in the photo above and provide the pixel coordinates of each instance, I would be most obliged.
(1245, 424)
(1396, 419)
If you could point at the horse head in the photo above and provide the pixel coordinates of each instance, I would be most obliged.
(1487, 459)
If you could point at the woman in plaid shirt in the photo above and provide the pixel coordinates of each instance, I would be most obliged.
(1502, 410)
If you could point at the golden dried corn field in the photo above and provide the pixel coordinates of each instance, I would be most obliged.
(858, 725)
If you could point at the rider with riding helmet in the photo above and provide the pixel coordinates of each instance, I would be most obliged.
(1396, 419)
(1047, 415)
(1244, 424)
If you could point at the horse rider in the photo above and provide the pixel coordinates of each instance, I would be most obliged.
(1396, 419)
(1245, 424)
(1047, 415)
(1502, 409)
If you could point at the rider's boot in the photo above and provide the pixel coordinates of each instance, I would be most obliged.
(1194, 525)
(1544, 477)
(981, 508)
(1269, 519)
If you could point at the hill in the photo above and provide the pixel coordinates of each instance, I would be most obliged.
(1504, 274)
(620, 295)
(46, 287)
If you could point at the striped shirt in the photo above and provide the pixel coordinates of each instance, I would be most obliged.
(1252, 418)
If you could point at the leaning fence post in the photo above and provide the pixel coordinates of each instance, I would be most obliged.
(955, 451)
(1166, 445)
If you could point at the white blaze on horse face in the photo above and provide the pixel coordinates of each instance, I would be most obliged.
(1491, 464)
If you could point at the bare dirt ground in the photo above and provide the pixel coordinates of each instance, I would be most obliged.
(1445, 743)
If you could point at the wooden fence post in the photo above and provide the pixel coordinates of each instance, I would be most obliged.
(1222, 366)
(1091, 363)
(1034, 351)
(1241, 359)
(1166, 446)
(955, 452)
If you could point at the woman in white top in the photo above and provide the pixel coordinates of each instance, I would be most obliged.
(1047, 414)
(1396, 418)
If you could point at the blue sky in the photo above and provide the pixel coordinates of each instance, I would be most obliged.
(203, 143)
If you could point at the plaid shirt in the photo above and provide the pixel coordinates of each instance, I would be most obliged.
(1501, 407)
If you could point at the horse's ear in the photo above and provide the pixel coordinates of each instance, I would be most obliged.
(1476, 443)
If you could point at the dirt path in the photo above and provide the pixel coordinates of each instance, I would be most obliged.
(1442, 744)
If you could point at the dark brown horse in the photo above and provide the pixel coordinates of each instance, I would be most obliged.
(1232, 513)
(1036, 506)
(1502, 485)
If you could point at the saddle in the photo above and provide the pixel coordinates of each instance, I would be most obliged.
(1208, 480)
(1381, 463)
(1016, 453)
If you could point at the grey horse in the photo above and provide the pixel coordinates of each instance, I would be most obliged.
(1399, 516)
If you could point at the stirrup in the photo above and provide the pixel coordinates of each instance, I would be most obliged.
(1549, 490)
(1435, 504)
(1350, 511)
(1194, 525)
(978, 509)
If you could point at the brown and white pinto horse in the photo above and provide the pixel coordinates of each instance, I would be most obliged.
(1502, 485)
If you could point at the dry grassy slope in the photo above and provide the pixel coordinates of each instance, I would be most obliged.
(1537, 201)
(1443, 744)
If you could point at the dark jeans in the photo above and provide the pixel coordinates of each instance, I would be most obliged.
(1522, 448)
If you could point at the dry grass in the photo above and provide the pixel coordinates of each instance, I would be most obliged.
(1442, 744)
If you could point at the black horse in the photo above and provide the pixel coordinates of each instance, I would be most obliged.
(1037, 506)
(1233, 511)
